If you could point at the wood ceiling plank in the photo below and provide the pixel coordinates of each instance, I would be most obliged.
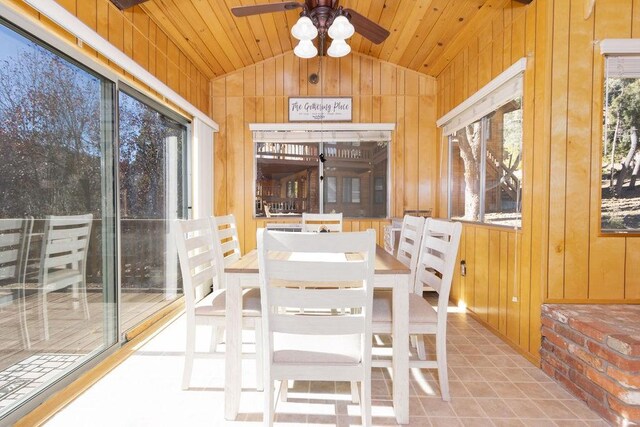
(396, 28)
(187, 15)
(254, 27)
(452, 21)
(271, 32)
(232, 25)
(219, 28)
(362, 7)
(484, 16)
(158, 15)
(426, 26)
(389, 11)
(411, 28)
(375, 12)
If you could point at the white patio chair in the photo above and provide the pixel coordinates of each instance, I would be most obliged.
(63, 260)
(226, 232)
(325, 222)
(15, 241)
(197, 244)
(319, 344)
(435, 268)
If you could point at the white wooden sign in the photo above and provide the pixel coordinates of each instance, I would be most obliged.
(314, 109)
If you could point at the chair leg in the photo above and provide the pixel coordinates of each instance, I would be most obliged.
(22, 308)
(422, 354)
(269, 408)
(365, 404)
(45, 316)
(85, 302)
(259, 356)
(443, 374)
(284, 389)
(188, 356)
(355, 395)
(216, 334)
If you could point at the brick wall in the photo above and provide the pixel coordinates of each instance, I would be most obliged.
(594, 351)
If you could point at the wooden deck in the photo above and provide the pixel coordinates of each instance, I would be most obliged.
(70, 332)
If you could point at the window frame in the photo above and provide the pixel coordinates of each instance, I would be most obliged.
(613, 48)
(332, 129)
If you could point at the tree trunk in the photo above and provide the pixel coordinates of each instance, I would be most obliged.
(626, 164)
(636, 170)
(613, 148)
(470, 151)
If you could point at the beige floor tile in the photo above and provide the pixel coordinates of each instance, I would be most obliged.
(496, 408)
(436, 407)
(538, 423)
(479, 360)
(507, 422)
(466, 407)
(517, 375)
(507, 390)
(525, 408)
(534, 390)
(467, 374)
(581, 410)
(476, 422)
(555, 409)
(458, 389)
(445, 422)
(480, 389)
(492, 374)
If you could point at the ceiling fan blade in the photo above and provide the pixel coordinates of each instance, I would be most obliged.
(126, 4)
(367, 28)
(265, 8)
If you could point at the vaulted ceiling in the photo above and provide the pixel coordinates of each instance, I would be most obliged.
(218, 42)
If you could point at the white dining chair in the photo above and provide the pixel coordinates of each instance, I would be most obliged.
(318, 344)
(63, 260)
(322, 222)
(15, 240)
(436, 262)
(200, 263)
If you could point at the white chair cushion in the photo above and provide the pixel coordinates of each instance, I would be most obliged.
(420, 311)
(250, 304)
(316, 349)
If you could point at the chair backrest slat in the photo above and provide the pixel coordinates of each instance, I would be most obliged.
(316, 222)
(226, 233)
(15, 239)
(65, 244)
(437, 260)
(409, 244)
(317, 325)
(195, 242)
(298, 259)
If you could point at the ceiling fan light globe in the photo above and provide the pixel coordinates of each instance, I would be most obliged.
(305, 49)
(304, 29)
(338, 48)
(341, 28)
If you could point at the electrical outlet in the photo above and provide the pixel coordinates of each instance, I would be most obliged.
(463, 268)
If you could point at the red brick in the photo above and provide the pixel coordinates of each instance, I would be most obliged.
(613, 357)
(629, 412)
(555, 362)
(570, 334)
(565, 357)
(571, 386)
(601, 407)
(625, 344)
(627, 379)
(586, 357)
(547, 368)
(548, 322)
(631, 397)
(587, 385)
(554, 338)
(592, 328)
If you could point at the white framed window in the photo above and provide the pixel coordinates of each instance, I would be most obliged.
(302, 168)
(620, 160)
(485, 152)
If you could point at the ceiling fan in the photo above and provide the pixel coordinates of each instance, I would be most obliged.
(322, 13)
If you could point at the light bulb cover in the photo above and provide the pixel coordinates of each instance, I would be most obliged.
(304, 29)
(305, 49)
(338, 49)
(341, 28)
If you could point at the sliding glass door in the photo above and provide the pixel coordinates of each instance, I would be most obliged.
(57, 216)
(152, 172)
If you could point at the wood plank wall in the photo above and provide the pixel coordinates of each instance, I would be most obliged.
(502, 286)
(559, 254)
(135, 34)
(382, 92)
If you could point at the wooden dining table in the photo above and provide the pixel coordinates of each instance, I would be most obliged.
(389, 274)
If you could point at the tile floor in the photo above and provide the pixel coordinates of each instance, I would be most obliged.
(491, 385)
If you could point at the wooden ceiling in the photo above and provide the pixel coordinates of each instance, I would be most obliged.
(219, 43)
